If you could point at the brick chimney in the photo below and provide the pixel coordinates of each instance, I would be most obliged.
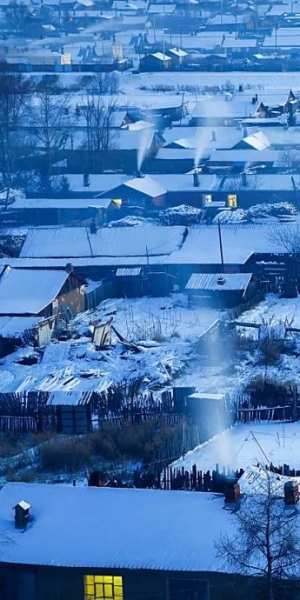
(291, 493)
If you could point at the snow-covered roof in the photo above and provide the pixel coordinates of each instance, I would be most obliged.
(239, 242)
(158, 542)
(29, 291)
(146, 185)
(257, 140)
(57, 242)
(61, 203)
(244, 156)
(218, 282)
(207, 396)
(11, 327)
(161, 56)
(204, 137)
(176, 154)
(178, 52)
(162, 9)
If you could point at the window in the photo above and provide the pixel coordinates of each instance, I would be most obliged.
(232, 200)
(207, 198)
(189, 589)
(103, 587)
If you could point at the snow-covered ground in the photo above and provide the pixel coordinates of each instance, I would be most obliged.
(278, 310)
(248, 444)
(165, 327)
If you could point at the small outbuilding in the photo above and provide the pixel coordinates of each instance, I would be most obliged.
(220, 290)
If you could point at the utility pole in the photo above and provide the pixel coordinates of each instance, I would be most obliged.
(221, 245)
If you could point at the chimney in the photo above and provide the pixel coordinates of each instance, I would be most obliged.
(232, 493)
(196, 179)
(213, 136)
(291, 493)
(139, 174)
(241, 89)
(22, 515)
(93, 226)
(69, 268)
(86, 179)
(221, 280)
(245, 132)
(244, 179)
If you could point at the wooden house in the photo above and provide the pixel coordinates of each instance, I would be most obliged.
(219, 289)
(146, 543)
(41, 292)
(63, 211)
(155, 62)
(142, 191)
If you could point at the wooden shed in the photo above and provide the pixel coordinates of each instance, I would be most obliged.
(219, 289)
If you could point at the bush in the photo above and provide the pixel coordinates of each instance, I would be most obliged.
(70, 454)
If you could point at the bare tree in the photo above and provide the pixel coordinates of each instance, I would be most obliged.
(13, 88)
(285, 237)
(99, 135)
(265, 543)
(51, 123)
(289, 159)
(17, 17)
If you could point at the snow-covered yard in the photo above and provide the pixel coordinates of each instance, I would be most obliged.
(280, 310)
(165, 327)
(248, 444)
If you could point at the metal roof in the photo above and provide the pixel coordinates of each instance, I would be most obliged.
(128, 272)
(218, 282)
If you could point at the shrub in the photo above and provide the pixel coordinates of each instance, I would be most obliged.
(69, 454)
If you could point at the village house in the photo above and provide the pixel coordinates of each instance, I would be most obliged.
(147, 543)
(155, 62)
(38, 292)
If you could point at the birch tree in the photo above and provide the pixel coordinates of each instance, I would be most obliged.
(265, 542)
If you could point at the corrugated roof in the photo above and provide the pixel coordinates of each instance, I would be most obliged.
(128, 272)
(219, 282)
(29, 291)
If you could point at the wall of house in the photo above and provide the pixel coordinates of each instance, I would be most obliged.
(75, 299)
(49, 583)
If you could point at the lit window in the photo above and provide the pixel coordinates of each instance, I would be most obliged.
(207, 198)
(103, 587)
(232, 200)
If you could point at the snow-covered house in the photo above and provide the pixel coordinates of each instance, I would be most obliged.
(38, 292)
(155, 62)
(143, 191)
(89, 543)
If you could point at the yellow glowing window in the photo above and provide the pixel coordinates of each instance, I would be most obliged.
(207, 198)
(232, 200)
(103, 587)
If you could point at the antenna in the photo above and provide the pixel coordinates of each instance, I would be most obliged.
(221, 245)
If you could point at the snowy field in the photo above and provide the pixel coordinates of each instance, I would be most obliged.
(248, 444)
